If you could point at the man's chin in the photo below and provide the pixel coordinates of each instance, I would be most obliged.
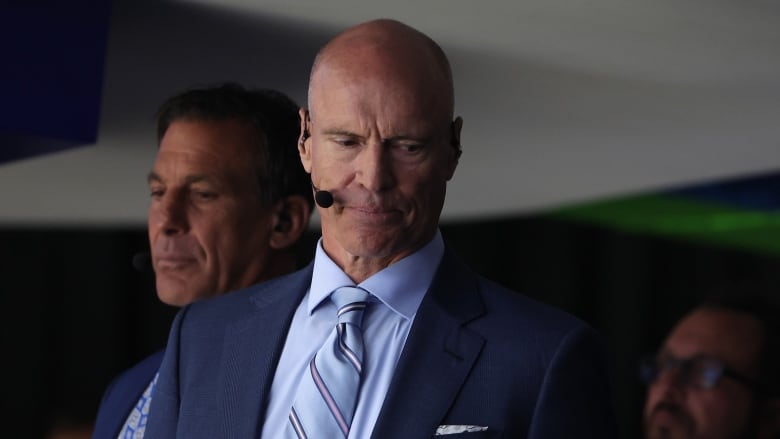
(668, 425)
(176, 292)
(663, 432)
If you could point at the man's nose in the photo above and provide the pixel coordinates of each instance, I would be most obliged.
(375, 167)
(172, 214)
(671, 378)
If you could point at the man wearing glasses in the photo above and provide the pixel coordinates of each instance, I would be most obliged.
(717, 374)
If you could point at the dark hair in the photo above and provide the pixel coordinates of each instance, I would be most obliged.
(272, 114)
(749, 301)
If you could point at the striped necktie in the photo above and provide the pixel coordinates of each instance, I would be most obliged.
(135, 425)
(327, 395)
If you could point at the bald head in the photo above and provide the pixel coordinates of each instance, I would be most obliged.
(388, 51)
(380, 136)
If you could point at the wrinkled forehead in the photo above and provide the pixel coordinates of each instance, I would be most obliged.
(732, 337)
(394, 96)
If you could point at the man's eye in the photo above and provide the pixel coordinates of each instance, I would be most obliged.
(156, 192)
(412, 147)
(205, 195)
(345, 141)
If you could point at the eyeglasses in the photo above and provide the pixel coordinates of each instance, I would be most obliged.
(699, 372)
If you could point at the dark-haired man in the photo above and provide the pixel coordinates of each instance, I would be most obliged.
(716, 375)
(229, 201)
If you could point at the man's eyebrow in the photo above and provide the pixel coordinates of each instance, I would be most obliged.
(407, 138)
(154, 177)
(393, 139)
(339, 132)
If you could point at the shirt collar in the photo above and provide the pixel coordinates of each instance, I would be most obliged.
(400, 286)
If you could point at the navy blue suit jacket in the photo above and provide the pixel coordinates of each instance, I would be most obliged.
(123, 394)
(477, 354)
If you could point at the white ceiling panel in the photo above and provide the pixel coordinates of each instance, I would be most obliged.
(563, 101)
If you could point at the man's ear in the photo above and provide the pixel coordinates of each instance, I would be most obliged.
(457, 125)
(304, 148)
(290, 221)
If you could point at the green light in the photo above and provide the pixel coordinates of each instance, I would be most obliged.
(683, 218)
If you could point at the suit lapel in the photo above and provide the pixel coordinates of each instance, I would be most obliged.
(252, 349)
(438, 355)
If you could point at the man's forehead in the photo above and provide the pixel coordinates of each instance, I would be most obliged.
(392, 70)
(211, 141)
(729, 336)
(182, 166)
(189, 158)
(389, 99)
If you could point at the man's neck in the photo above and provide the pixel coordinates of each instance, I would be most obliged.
(360, 268)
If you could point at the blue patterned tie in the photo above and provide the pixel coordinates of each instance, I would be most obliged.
(327, 395)
(135, 425)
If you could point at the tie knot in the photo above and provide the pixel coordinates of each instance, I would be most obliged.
(350, 301)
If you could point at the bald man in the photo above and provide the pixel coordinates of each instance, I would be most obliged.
(387, 334)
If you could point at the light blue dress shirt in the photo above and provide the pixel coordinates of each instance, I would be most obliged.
(396, 295)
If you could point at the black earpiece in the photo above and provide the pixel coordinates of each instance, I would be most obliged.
(284, 222)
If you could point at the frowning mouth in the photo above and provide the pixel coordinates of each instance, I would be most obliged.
(174, 262)
(375, 215)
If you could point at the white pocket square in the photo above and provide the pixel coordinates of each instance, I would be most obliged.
(444, 430)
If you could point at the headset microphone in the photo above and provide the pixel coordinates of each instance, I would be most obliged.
(323, 199)
(142, 261)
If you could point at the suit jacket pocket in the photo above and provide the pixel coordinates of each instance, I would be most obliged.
(472, 435)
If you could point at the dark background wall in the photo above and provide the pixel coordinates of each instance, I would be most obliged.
(75, 311)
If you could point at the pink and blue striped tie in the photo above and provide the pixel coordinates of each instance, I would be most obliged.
(327, 395)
